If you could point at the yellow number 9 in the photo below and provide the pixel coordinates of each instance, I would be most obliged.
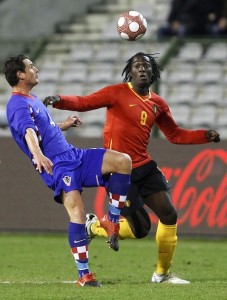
(143, 118)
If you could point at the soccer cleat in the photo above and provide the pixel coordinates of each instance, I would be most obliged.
(90, 219)
(88, 280)
(112, 230)
(168, 278)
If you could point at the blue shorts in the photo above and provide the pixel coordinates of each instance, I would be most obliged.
(75, 169)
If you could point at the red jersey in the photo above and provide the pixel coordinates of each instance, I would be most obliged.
(129, 120)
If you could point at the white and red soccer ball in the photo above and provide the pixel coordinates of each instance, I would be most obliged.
(131, 25)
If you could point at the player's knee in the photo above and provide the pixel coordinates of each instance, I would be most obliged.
(142, 232)
(116, 162)
(170, 218)
(140, 223)
(124, 163)
(173, 216)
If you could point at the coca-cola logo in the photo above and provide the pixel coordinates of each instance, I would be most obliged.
(199, 190)
(206, 200)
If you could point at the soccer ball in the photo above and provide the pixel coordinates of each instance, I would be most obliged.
(131, 25)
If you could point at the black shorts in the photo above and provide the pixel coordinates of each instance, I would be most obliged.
(145, 180)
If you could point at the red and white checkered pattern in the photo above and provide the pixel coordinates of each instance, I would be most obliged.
(117, 200)
(80, 253)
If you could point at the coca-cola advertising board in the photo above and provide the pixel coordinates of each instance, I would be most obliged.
(198, 174)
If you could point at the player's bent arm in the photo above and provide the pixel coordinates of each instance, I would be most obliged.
(33, 145)
(71, 121)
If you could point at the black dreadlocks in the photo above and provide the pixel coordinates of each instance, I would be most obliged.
(156, 68)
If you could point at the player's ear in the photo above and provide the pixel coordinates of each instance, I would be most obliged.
(20, 75)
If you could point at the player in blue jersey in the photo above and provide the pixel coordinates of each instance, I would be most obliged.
(64, 168)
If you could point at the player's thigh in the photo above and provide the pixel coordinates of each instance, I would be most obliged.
(135, 213)
(154, 189)
(91, 169)
(116, 162)
(155, 194)
(133, 202)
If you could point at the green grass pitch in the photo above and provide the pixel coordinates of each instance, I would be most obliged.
(40, 266)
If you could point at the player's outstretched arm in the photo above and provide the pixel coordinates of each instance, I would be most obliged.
(51, 100)
(213, 136)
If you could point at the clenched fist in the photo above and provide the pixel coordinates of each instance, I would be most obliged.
(213, 136)
(51, 100)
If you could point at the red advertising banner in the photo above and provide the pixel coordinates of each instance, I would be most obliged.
(198, 174)
(199, 192)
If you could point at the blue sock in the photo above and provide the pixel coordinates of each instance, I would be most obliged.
(113, 213)
(118, 189)
(79, 246)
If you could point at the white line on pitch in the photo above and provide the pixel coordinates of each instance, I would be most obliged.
(35, 282)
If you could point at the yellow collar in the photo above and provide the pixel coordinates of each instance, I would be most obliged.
(143, 98)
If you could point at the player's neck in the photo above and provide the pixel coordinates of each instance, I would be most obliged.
(21, 90)
(142, 91)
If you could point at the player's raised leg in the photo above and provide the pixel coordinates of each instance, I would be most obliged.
(119, 165)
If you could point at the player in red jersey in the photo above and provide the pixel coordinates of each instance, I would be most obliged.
(132, 110)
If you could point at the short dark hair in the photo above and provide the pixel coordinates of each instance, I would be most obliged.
(156, 68)
(12, 66)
